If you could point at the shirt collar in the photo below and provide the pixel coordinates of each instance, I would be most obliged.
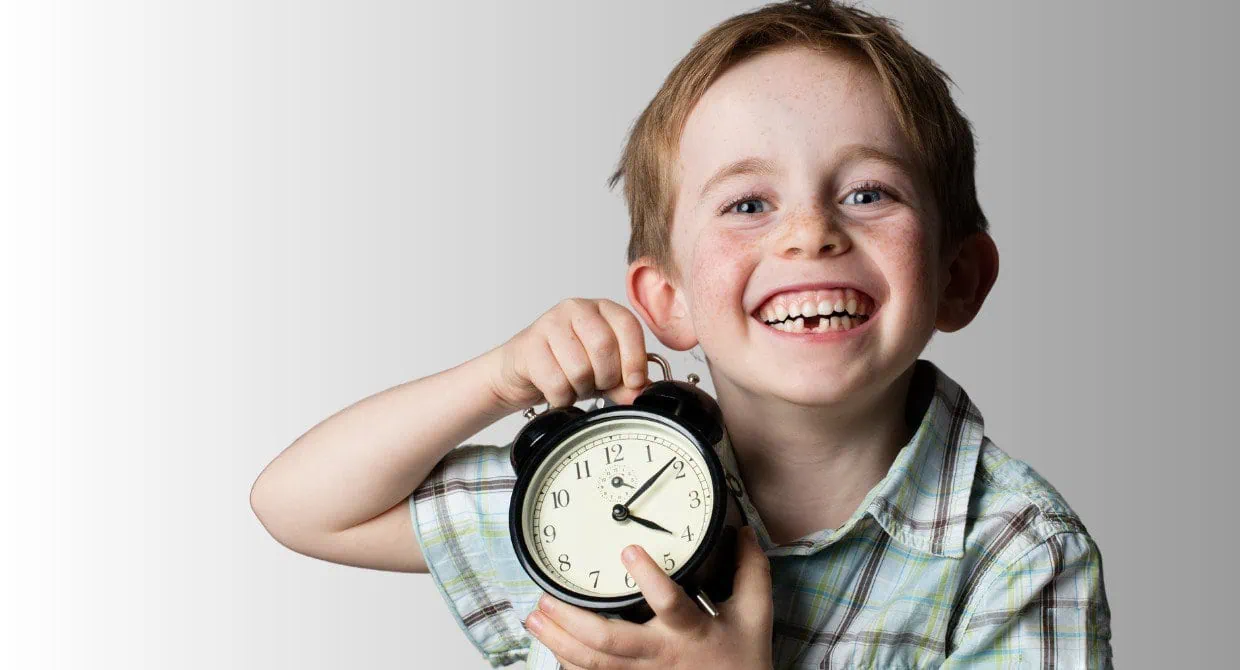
(923, 501)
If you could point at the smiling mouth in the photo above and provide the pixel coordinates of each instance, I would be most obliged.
(822, 311)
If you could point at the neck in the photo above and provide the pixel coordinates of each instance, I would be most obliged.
(808, 468)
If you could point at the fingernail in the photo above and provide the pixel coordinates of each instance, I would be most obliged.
(545, 603)
(629, 554)
(634, 379)
(534, 621)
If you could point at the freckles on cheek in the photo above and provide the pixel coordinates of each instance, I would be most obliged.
(718, 270)
(907, 257)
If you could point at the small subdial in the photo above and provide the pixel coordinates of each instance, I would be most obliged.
(616, 483)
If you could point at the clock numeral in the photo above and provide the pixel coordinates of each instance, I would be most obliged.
(648, 457)
(564, 564)
(549, 533)
(595, 573)
(695, 500)
(628, 580)
(580, 469)
(560, 498)
(679, 467)
(688, 534)
(668, 562)
(617, 448)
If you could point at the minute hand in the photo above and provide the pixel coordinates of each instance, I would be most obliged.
(642, 489)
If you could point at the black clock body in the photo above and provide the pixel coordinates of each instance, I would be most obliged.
(676, 404)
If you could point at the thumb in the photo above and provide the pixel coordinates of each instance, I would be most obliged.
(751, 587)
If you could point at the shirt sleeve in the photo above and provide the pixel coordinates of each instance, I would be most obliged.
(460, 518)
(1048, 609)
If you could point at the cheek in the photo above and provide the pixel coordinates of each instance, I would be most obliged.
(907, 256)
(719, 266)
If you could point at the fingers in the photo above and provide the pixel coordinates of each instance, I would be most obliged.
(548, 378)
(578, 349)
(668, 600)
(566, 647)
(632, 341)
(610, 636)
(751, 586)
(574, 360)
(597, 344)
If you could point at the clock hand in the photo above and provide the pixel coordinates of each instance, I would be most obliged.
(649, 524)
(642, 489)
(617, 482)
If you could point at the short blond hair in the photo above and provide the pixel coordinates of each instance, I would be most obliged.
(916, 88)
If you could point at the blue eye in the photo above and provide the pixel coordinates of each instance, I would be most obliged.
(863, 196)
(748, 197)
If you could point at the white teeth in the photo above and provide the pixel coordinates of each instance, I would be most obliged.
(836, 323)
(845, 322)
(809, 309)
(839, 305)
(824, 307)
(823, 325)
(851, 306)
(794, 310)
(781, 312)
(768, 315)
(798, 324)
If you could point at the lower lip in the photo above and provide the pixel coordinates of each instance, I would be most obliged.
(830, 336)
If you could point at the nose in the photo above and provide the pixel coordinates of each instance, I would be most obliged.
(808, 233)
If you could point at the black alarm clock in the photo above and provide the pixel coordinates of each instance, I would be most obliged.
(590, 483)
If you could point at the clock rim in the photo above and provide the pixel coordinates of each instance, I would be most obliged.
(719, 491)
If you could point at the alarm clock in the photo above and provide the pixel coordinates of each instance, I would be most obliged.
(589, 483)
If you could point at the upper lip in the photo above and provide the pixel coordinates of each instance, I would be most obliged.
(812, 286)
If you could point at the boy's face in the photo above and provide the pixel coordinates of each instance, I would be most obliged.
(834, 210)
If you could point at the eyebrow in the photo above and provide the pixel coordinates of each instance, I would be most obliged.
(748, 165)
(755, 165)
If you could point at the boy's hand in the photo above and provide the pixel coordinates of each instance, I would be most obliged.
(680, 635)
(573, 351)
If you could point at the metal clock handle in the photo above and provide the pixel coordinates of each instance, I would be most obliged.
(667, 369)
(651, 357)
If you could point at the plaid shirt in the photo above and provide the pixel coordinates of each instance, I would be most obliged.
(962, 556)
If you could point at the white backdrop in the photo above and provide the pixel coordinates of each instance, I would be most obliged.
(224, 221)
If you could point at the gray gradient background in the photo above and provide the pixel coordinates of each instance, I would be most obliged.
(224, 221)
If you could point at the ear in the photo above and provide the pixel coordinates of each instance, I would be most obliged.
(970, 276)
(660, 303)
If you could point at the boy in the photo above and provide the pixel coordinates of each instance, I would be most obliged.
(802, 160)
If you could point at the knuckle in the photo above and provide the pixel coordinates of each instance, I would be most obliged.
(605, 641)
(577, 306)
(599, 341)
(556, 390)
(581, 375)
(662, 600)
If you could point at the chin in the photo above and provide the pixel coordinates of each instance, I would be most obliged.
(812, 390)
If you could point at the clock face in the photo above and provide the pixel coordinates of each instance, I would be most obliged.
(568, 517)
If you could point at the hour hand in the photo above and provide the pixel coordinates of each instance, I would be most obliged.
(649, 524)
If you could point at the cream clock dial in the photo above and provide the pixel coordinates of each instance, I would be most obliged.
(623, 481)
